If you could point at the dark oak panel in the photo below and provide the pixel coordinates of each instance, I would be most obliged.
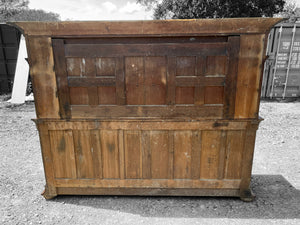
(109, 50)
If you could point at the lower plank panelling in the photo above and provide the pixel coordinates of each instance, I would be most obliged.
(148, 157)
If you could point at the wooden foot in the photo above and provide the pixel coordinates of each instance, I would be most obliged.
(247, 195)
(47, 194)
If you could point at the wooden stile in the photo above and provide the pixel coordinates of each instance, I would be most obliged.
(147, 107)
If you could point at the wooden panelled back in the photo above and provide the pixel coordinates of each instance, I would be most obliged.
(161, 150)
(147, 77)
(148, 107)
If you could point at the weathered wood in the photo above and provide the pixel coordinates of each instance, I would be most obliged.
(214, 95)
(196, 154)
(146, 191)
(208, 111)
(90, 72)
(146, 155)
(121, 153)
(132, 147)
(159, 145)
(63, 154)
(62, 78)
(247, 159)
(149, 124)
(108, 96)
(182, 154)
(145, 39)
(234, 154)
(171, 82)
(171, 154)
(250, 63)
(185, 65)
(150, 183)
(79, 96)
(96, 154)
(110, 154)
(83, 154)
(222, 154)
(210, 154)
(231, 78)
(184, 95)
(50, 188)
(132, 50)
(148, 28)
(155, 81)
(148, 107)
(43, 77)
(120, 82)
(91, 82)
(200, 81)
(134, 80)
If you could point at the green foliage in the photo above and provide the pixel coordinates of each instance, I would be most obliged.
(35, 15)
(188, 9)
(290, 10)
(17, 10)
(9, 8)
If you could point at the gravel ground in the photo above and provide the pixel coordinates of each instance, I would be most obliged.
(276, 181)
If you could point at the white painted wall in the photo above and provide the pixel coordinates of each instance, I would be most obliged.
(21, 75)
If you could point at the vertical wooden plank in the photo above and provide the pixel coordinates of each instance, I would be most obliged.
(159, 154)
(132, 147)
(234, 153)
(245, 191)
(210, 154)
(247, 157)
(171, 154)
(134, 80)
(90, 72)
(96, 153)
(200, 68)
(222, 155)
(121, 153)
(182, 154)
(199, 89)
(62, 78)
(110, 153)
(196, 153)
(47, 158)
(249, 76)
(62, 149)
(155, 80)
(171, 76)
(231, 77)
(120, 82)
(83, 154)
(43, 77)
(146, 155)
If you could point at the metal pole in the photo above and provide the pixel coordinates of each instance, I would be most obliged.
(289, 62)
(275, 69)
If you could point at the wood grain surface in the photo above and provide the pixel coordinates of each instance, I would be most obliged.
(148, 107)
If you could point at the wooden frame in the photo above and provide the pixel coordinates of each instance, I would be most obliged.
(148, 107)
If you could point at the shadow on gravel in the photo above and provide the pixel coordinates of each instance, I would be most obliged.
(276, 198)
